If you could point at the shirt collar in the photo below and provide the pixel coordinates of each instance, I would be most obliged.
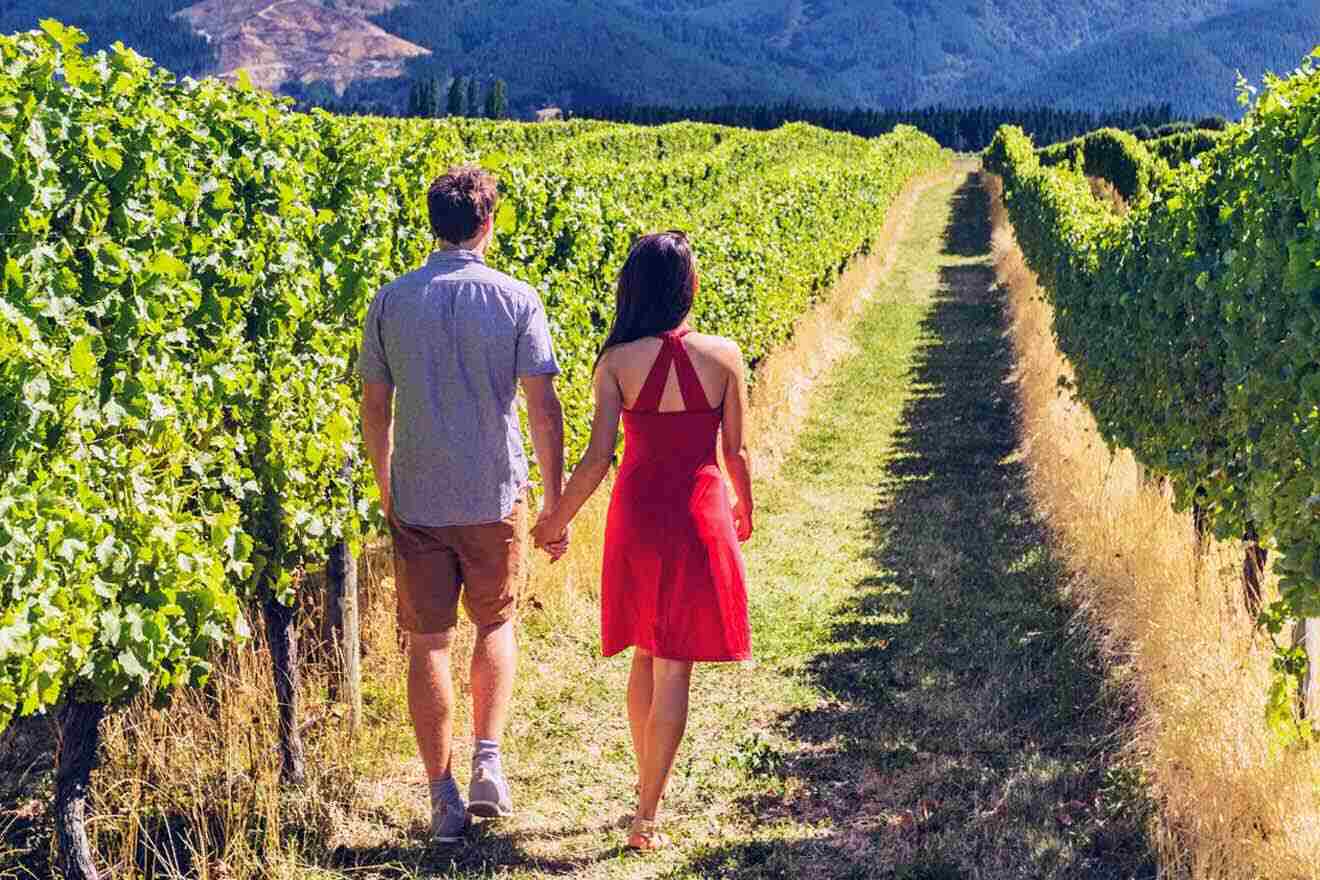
(454, 255)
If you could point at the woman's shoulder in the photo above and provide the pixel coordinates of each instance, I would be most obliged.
(627, 352)
(645, 345)
(721, 348)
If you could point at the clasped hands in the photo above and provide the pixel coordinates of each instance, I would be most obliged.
(550, 535)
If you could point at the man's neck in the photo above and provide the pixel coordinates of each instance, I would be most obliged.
(478, 248)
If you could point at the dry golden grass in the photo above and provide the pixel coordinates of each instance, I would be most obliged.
(1173, 623)
(193, 790)
(1105, 191)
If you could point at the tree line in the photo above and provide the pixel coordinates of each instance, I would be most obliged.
(462, 98)
(969, 129)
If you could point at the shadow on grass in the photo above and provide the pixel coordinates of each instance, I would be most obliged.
(964, 729)
(166, 842)
(488, 851)
(27, 765)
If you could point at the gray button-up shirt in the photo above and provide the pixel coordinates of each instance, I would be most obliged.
(453, 338)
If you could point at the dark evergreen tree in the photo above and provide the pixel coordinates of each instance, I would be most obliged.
(414, 107)
(473, 104)
(424, 99)
(497, 100)
(458, 97)
(433, 108)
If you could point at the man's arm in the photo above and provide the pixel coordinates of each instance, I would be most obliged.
(595, 464)
(545, 420)
(378, 434)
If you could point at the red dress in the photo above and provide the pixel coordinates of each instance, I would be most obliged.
(673, 582)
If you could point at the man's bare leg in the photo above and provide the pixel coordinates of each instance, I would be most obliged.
(494, 661)
(431, 699)
(431, 705)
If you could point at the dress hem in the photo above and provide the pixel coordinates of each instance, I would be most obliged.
(737, 658)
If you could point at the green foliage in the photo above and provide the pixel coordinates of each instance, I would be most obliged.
(1192, 321)
(1178, 149)
(186, 267)
(148, 26)
(966, 129)
(1114, 155)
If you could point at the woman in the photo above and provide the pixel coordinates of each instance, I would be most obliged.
(673, 583)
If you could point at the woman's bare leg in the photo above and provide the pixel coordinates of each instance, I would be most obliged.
(641, 687)
(664, 730)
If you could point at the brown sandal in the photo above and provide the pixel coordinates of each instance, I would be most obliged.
(644, 837)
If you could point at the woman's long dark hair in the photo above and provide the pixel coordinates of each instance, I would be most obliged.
(655, 290)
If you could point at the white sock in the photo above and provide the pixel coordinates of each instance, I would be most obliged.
(487, 752)
(445, 791)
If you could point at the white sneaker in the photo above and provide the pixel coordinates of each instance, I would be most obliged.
(488, 793)
(448, 824)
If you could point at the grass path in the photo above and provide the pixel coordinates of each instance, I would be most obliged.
(918, 708)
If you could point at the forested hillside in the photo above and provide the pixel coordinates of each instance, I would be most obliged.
(1093, 54)
(145, 25)
(892, 53)
(1203, 58)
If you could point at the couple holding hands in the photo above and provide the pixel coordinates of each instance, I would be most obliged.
(444, 351)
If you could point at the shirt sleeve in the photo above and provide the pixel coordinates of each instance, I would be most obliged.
(372, 365)
(536, 353)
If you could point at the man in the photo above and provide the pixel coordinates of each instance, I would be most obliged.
(443, 352)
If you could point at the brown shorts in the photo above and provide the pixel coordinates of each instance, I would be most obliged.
(434, 566)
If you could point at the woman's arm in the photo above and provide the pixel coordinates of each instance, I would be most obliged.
(595, 464)
(736, 458)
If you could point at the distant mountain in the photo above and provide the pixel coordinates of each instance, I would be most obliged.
(878, 53)
(286, 41)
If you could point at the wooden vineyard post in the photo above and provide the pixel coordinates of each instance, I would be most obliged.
(79, 737)
(345, 628)
(282, 636)
(1253, 570)
(1200, 522)
(1201, 534)
(1306, 635)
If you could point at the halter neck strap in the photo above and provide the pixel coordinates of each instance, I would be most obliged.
(672, 353)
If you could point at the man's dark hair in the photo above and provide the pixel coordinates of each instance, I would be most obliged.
(460, 201)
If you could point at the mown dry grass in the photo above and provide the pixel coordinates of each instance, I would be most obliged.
(1172, 622)
(193, 790)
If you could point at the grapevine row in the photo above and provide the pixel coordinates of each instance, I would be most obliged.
(185, 270)
(1193, 323)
